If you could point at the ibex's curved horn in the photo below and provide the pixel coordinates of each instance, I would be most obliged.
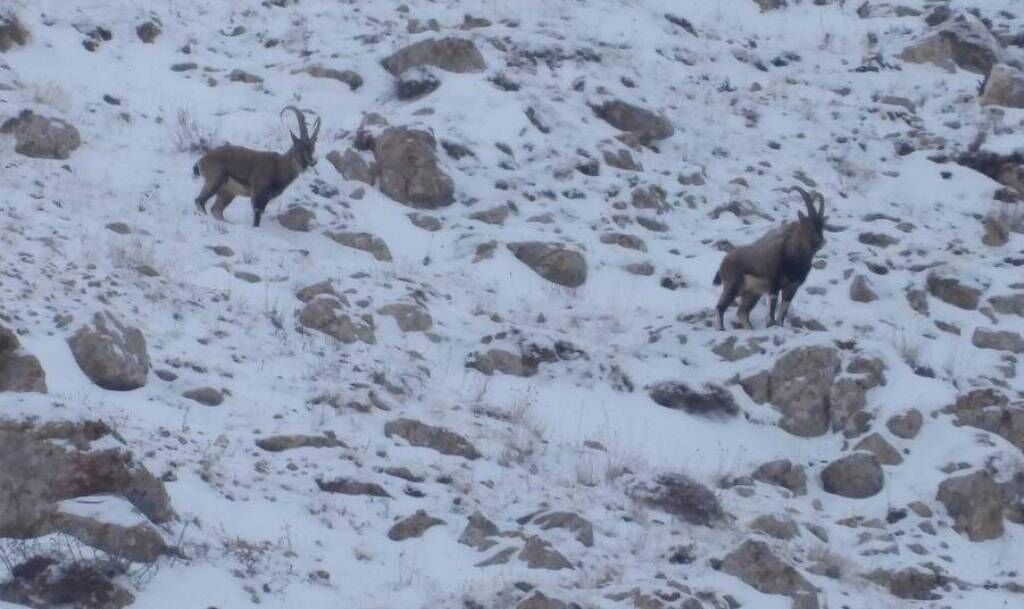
(821, 204)
(316, 129)
(303, 134)
(808, 199)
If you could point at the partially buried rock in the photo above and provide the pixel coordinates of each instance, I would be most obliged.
(148, 31)
(1004, 86)
(276, 444)
(413, 526)
(880, 448)
(800, 386)
(409, 170)
(347, 486)
(327, 314)
(975, 503)
(963, 42)
(352, 166)
(207, 396)
(348, 77)
(450, 54)
(552, 261)
(683, 497)
(754, 563)
(362, 241)
(856, 476)
(906, 425)
(20, 371)
(415, 83)
(998, 340)
(644, 124)
(783, 473)
(442, 440)
(298, 218)
(42, 137)
(111, 354)
(409, 317)
(952, 291)
(538, 554)
(709, 400)
(43, 582)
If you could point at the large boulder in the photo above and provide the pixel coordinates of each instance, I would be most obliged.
(451, 54)
(799, 385)
(856, 476)
(962, 42)
(327, 314)
(42, 137)
(642, 123)
(552, 261)
(408, 168)
(1003, 87)
(111, 354)
(12, 32)
(975, 503)
(754, 563)
(19, 371)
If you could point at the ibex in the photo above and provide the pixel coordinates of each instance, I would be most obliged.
(778, 261)
(232, 171)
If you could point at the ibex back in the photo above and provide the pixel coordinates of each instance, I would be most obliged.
(233, 171)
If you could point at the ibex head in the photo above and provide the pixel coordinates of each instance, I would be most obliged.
(812, 224)
(304, 144)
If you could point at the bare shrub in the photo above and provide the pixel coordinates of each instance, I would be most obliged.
(188, 135)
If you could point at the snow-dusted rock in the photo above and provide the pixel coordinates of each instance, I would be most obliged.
(450, 54)
(440, 439)
(1003, 87)
(857, 476)
(112, 354)
(754, 563)
(974, 501)
(962, 42)
(42, 137)
(552, 261)
(19, 370)
(408, 168)
(327, 314)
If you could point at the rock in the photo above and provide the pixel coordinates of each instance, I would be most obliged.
(298, 218)
(347, 486)
(138, 542)
(974, 501)
(409, 317)
(624, 240)
(856, 476)
(409, 169)
(800, 386)
(860, 290)
(479, 529)
(207, 396)
(779, 527)
(539, 601)
(650, 197)
(12, 32)
(621, 159)
(755, 565)
(347, 77)
(913, 584)
(450, 54)
(495, 215)
(710, 400)
(43, 583)
(1003, 87)
(352, 166)
(505, 362)
(362, 241)
(1009, 304)
(413, 526)
(906, 425)
(999, 340)
(20, 372)
(148, 31)
(680, 496)
(552, 261)
(570, 521)
(415, 83)
(770, 5)
(310, 292)
(644, 124)
(538, 554)
(880, 448)
(990, 410)
(325, 314)
(42, 137)
(276, 444)
(918, 301)
(951, 291)
(111, 354)
(439, 439)
(242, 76)
(500, 558)
(643, 269)
(783, 473)
(45, 464)
(962, 42)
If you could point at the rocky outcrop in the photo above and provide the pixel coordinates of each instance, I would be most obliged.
(998, 340)
(974, 501)
(451, 54)
(962, 42)
(552, 261)
(42, 137)
(20, 371)
(42, 582)
(327, 314)
(111, 354)
(409, 317)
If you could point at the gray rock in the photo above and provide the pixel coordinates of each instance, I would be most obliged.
(538, 554)
(505, 362)
(800, 387)
(856, 476)
(352, 166)
(239, 75)
(347, 486)
(348, 77)
(625, 240)
(310, 292)
(860, 290)
(478, 532)
(207, 396)
(552, 261)
(951, 291)
(990, 410)
(649, 197)
(913, 584)
(906, 425)
(280, 443)
(440, 439)
(326, 314)
(13, 32)
(644, 124)
(1008, 304)
(495, 215)
(42, 137)
(413, 526)
(683, 497)
(362, 241)
(137, 543)
(501, 557)
(415, 83)
(298, 218)
(409, 170)
(20, 371)
(770, 5)
(783, 473)
(148, 31)
(780, 527)
(756, 565)
(111, 354)
(710, 400)
(974, 501)
(409, 317)
(998, 340)
(569, 521)
(1003, 87)
(450, 54)
(539, 601)
(621, 158)
(877, 445)
(962, 42)
(42, 582)
(427, 223)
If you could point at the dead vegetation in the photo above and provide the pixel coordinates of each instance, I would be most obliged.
(13, 32)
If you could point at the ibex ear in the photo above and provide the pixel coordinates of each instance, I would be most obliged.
(801, 216)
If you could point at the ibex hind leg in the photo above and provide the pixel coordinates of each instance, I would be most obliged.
(748, 300)
(259, 205)
(729, 292)
(223, 200)
(210, 187)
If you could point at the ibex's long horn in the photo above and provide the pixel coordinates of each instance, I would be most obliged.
(808, 199)
(821, 204)
(316, 128)
(303, 134)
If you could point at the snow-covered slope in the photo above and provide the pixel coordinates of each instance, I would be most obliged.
(759, 101)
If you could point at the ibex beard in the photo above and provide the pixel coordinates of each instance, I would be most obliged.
(233, 171)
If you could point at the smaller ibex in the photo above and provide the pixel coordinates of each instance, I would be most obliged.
(233, 171)
(778, 261)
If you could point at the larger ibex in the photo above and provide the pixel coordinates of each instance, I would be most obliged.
(233, 171)
(778, 261)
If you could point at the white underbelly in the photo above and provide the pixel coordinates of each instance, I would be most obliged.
(236, 188)
(755, 284)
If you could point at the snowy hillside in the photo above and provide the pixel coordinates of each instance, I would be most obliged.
(469, 358)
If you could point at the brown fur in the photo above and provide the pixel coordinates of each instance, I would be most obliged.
(234, 171)
(777, 262)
